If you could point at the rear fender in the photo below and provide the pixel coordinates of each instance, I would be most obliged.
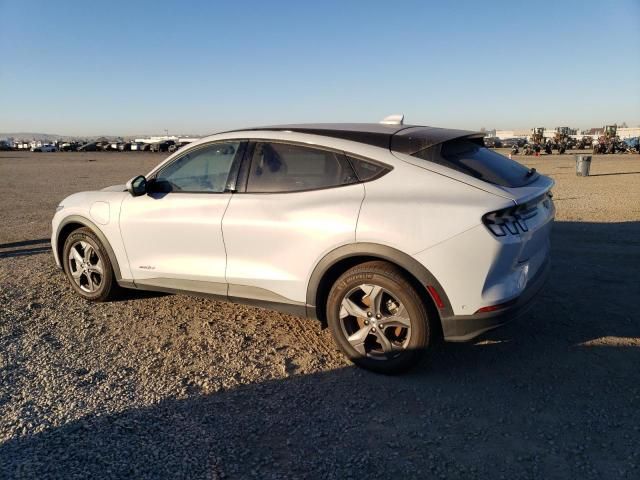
(377, 251)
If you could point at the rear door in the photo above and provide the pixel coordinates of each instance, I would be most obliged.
(173, 235)
(295, 203)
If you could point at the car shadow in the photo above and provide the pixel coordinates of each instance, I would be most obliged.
(552, 395)
(25, 243)
(126, 294)
(24, 252)
(607, 174)
(16, 249)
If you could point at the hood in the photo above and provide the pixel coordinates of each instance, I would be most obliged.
(114, 188)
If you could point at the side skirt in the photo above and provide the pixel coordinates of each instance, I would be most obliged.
(238, 294)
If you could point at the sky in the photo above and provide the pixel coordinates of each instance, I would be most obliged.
(143, 67)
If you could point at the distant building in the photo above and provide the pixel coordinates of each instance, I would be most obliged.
(628, 132)
(595, 132)
(622, 132)
(504, 134)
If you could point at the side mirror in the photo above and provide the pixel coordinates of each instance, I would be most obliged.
(137, 186)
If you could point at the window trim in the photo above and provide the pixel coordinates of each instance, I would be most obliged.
(385, 167)
(245, 168)
(233, 170)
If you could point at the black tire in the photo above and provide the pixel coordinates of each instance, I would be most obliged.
(396, 287)
(107, 286)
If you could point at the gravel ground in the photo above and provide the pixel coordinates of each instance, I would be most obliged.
(160, 386)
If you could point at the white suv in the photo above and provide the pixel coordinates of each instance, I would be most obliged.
(45, 148)
(393, 235)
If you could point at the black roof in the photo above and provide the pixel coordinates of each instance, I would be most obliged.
(401, 138)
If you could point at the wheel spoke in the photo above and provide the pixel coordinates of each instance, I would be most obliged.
(88, 251)
(90, 285)
(387, 346)
(374, 294)
(349, 307)
(76, 255)
(77, 273)
(97, 267)
(397, 321)
(357, 340)
(402, 312)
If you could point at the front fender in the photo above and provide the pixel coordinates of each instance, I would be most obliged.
(99, 211)
(75, 220)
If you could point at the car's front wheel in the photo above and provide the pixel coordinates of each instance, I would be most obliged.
(87, 266)
(377, 318)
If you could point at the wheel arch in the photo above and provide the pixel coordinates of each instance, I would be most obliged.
(73, 223)
(336, 262)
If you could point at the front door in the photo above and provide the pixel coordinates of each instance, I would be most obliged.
(173, 234)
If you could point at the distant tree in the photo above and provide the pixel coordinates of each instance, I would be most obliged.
(623, 125)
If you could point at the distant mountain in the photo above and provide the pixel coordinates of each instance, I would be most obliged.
(52, 137)
(32, 135)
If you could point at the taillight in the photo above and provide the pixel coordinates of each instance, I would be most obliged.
(511, 220)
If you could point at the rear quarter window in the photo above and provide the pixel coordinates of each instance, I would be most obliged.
(479, 162)
(367, 171)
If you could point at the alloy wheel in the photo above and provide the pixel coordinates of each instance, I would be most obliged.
(86, 266)
(375, 322)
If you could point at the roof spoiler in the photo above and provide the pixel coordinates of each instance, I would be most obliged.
(415, 139)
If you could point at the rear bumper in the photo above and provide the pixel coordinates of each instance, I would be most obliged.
(461, 328)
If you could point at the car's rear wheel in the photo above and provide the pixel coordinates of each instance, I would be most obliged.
(87, 266)
(377, 318)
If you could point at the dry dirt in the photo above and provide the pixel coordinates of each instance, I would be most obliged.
(159, 386)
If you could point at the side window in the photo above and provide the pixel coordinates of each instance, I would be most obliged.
(367, 170)
(280, 167)
(203, 170)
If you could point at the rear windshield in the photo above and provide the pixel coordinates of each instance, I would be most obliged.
(468, 157)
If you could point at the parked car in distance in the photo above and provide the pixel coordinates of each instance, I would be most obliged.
(393, 235)
(110, 146)
(162, 146)
(177, 146)
(69, 146)
(88, 147)
(510, 142)
(124, 146)
(45, 148)
(492, 142)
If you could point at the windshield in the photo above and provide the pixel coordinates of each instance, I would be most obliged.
(468, 157)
